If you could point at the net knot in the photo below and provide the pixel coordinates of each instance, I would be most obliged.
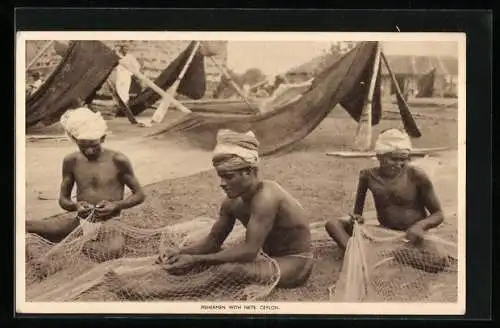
(89, 227)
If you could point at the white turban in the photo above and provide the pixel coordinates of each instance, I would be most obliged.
(83, 124)
(235, 150)
(392, 140)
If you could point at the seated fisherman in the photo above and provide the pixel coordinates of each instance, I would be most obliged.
(275, 221)
(403, 194)
(100, 176)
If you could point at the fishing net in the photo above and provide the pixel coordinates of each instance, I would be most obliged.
(381, 266)
(116, 261)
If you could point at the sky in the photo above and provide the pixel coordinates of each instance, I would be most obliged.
(279, 56)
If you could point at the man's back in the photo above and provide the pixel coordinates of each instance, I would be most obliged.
(290, 233)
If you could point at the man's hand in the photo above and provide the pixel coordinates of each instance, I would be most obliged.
(83, 208)
(181, 263)
(105, 208)
(356, 218)
(415, 234)
(168, 257)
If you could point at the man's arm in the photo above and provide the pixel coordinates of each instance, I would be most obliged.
(130, 180)
(264, 209)
(218, 234)
(431, 201)
(68, 181)
(359, 202)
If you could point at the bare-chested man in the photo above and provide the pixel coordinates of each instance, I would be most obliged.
(100, 176)
(404, 196)
(275, 221)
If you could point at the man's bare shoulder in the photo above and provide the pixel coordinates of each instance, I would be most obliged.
(418, 174)
(229, 206)
(71, 158)
(271, 186)
(369, 172)
(228, 203)
(271, 191)
(118, 157)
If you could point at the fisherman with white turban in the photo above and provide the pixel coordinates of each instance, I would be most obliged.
(275, 221)
(84, 124)
(404, 196)
(100, 176)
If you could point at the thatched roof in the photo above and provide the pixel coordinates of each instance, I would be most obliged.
(408, 65)
(417, 65)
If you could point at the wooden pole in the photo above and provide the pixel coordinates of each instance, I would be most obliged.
(233, 84)
(363, 138)
(35, 59)
(261, 83)
(125, 108)
(157, 89)
(162, 109)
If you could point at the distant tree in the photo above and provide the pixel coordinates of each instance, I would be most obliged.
(252, 76)
(334, 53)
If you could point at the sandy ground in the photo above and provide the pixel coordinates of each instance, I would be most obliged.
(170, 160)
(153, 161)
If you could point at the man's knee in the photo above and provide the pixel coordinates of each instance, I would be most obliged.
(294, 272)
(334, 225)
(54, 229)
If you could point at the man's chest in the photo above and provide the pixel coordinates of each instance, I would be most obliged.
(96, 174)
(398, 191)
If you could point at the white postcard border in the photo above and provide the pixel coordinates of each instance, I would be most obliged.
(22, 306)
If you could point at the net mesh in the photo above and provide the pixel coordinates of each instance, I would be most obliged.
(382, 266)
(115, 261)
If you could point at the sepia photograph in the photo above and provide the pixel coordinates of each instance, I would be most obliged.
(228, 172)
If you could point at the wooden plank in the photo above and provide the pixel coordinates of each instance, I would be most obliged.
(368, 154)
(157, 89)
(162, 109)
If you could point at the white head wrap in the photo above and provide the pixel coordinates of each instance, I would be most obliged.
(392, 140)
(83, 124)
(235, 150)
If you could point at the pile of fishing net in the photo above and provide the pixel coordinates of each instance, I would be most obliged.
(382, 266)
(116, 262)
